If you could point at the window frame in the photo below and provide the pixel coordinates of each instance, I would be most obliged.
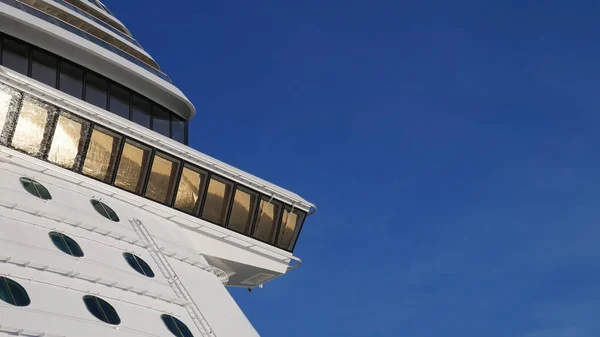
(144, 267)
(277, 221)
(253, 209)
(37, 191)
(97, 300)
(8, 283)
(68, 241)
(225, 181)
(106, 209)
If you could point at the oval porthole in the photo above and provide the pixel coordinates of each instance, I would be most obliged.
(138, 264)
(104, 210)
(101, 310)
(35, 188)
(13, 293)
(177, 327)
(66, 244)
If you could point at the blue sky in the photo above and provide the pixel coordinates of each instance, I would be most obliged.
(451, 146)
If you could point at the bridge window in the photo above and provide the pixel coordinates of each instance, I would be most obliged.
(43, 67)
(31, 125)
(179, 130)
(70, 79)
(242, 210)
(13, 293)
(161, 121)
(101, 155)
(141, 111)
(15, 55)
(66, 146)
(132, 167)
(96, 89)
(190, 190)
(119, 100)
(268, 217)
(163, 177)
(290, 228)
(217, 200)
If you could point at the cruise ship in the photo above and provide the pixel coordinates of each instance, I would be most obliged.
(110, 225)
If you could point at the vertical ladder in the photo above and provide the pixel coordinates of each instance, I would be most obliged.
(169, 273)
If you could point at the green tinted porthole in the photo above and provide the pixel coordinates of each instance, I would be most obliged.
(138, 264)
(104, 210)
(66, 244)
(13, 293)
(177, 327)
(101, 309)
(35, 188)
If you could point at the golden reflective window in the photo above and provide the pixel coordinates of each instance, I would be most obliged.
(290, 226)
(65, 148)
(161, 183)
(31, 126)
(217, 201)
(189, 192)
(242, 210)
(268, 216)
(5, 99)
(101, 155)
(132, 167)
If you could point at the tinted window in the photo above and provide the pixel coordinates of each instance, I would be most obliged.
(119, 100)
(101, 310)
(133, 166)
(71, 79)
(31, 126)
(15, 55)
(141, 111)
(161, 121)
(101, 155)
(66, 244)
(217, 200)
(96, 90)
(104, 210)
(138, 264)
(268, 217)
(9, 103)
(66, 145)
(190, 190)
(178, 130)
(43, 68)
(291, 223)
(242, 210)
(163, 177)
(35, 188)
(13, 293)
(177, 327)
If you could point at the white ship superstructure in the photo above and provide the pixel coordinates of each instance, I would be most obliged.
(110, 225)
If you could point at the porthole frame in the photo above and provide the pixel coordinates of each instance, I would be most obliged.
(71, 247)
(138, 264)
(104, 210)
(100, 311)
(182, 328)
(35, 188)
(8, 295)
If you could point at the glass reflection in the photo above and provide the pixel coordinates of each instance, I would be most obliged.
(65, 147)
(31, 125)
(217, 201)
(290, 226)
(101, 155)
(268, 216)
(242, 211)
(191, 186)
(5, 100)
(161, 183)
(132, 167)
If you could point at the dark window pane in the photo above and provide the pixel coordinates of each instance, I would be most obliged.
(177, 327)
(13, 293)
(101, 155)
(242, 211)
(104, 210)
(35, 188)
(71, 79)
(268, 217)
(101, 309)
(138, 264)
(110, 312)
(133, 167)
(96, 89)
(161, 121)
(163, 175)
(15, 55)
(189, 192)
(119, 100)
(66, 244)
(141, 111)
(44, 67)
(178, 130)
(217, 200)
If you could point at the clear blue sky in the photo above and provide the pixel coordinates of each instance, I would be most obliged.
(452, 148)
